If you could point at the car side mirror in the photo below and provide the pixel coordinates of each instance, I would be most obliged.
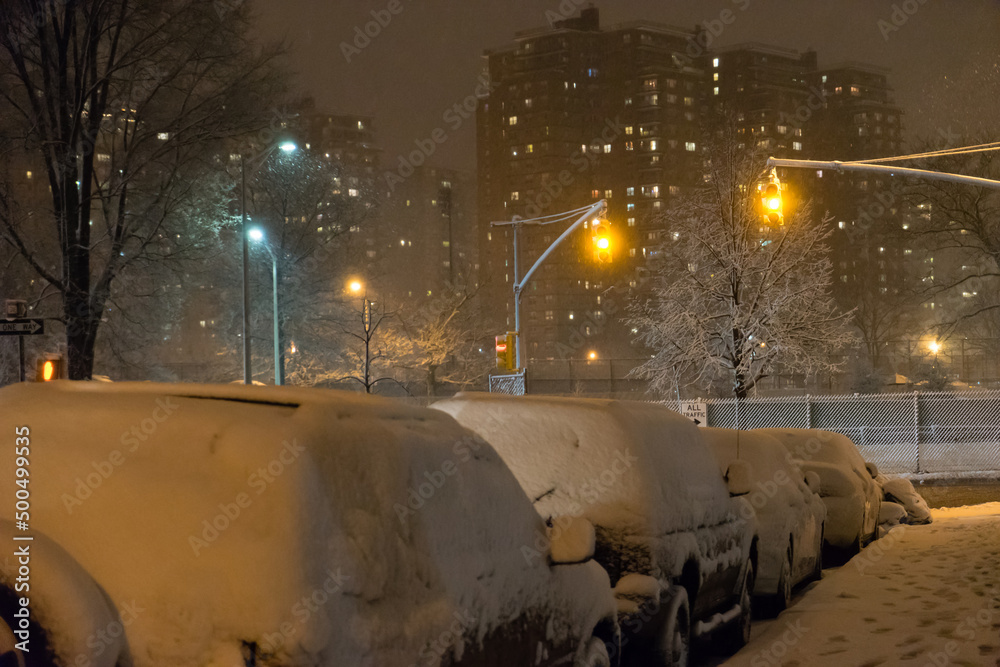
(738, 478)
(872, 469)
(812, 481)
(571, 540)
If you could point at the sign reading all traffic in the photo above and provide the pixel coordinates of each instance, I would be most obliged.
(22, 327)
(696, 411)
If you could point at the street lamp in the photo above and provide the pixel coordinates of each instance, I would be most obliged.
(279, 353)
(286, 147)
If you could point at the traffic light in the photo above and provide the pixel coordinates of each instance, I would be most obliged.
(506, 352)
(50, 368)
(601, 235)
(770, 198)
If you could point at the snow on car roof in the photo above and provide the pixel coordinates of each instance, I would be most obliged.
(220, 509)
(822, 446)
(618, 463)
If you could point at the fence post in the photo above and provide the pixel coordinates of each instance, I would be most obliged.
(808, 412)
(916, 429)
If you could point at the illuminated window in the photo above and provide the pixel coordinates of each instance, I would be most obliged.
(690, 146)
(649, 84)
(512, 120)
(715, 62)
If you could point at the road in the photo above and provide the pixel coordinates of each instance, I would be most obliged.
(923, 596)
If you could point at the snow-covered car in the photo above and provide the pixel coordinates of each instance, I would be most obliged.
(789, 513)
(679, 553)
(900, 490)
(278, 526)
(847, 485)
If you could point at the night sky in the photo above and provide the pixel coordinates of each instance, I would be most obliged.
(944, 56)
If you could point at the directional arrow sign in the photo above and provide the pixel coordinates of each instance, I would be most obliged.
(22, 327)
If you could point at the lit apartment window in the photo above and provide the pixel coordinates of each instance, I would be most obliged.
(715, 77)
(653, 145)
(607, 194)
(163, 136)
(855, 90)
(796, 145)
(549, 315)
(631, 252)
(649, 84)
(512, 120)
(515, 196)
(596, 194)
(630, 207)
(628, 101)
(629, 146)
(28, 175)
(782, 129)
(838, 90)
(629, 129)
(715, 90)
(353, 192)
(528, 102)
(690, 146)
(715, 62)
(630, 192)
(631, 222)
(607, 148)
(908, 251)
(530, 148)
(675, 190)
(841, 224)
(689, 101)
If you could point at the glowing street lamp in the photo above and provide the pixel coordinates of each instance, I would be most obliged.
(257, 234)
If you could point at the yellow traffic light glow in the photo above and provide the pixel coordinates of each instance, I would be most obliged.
(601, 236)
(48, 370)
(770, 198)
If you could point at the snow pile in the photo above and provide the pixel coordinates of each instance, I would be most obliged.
(638, 471)
(902, 491)
(787, 511)
(329, 528)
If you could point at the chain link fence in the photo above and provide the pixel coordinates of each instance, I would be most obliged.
(914, 432)
(512, 384)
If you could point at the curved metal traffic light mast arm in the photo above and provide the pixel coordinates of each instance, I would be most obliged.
(882, 169)
(600, 209)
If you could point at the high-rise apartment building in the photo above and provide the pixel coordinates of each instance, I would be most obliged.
(579, 113)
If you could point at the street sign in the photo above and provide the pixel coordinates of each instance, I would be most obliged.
(22, 327)
(696, 411)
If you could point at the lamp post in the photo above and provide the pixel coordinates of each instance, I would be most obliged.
(287, 147)
(279, 352)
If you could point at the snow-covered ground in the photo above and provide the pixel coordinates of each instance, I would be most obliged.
(926, 596)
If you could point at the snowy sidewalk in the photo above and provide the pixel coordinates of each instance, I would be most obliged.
(926, 596)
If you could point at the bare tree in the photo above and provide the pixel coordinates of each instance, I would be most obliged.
(963, 221)
(731, 299)
(125, 104)
(374, 348)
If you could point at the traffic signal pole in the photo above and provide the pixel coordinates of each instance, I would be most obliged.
(882, 169)
(599, 209)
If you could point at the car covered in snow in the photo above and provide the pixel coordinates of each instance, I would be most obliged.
(679, 552)
(847, 484)
(789, 514)
(900, 490)
(231, 525)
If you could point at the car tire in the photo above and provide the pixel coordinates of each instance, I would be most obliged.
(783, 598)
(595, 654)
(737, 634)
(674, 649)
(817, 572)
